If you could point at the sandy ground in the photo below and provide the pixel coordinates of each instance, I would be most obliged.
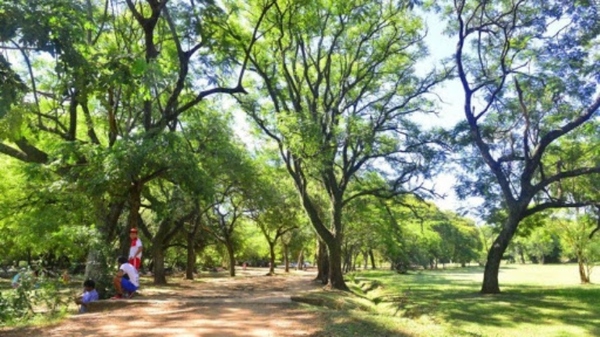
(251, 304)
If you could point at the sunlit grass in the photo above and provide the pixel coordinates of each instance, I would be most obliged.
(535, 301)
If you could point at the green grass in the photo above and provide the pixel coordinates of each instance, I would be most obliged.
(535, 301)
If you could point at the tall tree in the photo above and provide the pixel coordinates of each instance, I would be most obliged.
(336, 89)
(99, 77)
(529, 80)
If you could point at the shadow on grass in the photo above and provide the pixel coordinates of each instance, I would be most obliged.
(344, 323)
(446, 296)
(574, 307)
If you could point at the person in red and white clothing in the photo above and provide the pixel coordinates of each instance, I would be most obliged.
(135, 250)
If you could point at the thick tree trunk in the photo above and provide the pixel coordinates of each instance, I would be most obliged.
(272, 259)
(336, 277)
(492, 266)
(365, 259)
(322, 263)
(158, 254)
(96, 267)
(300, 260)
(334, 246)
(135, 202)
(191, 256)
(231, 255)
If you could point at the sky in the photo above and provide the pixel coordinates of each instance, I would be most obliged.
(449, 97)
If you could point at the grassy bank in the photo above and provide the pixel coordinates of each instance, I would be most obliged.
(535, 301)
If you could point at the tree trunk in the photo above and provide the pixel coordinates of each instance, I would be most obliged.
(336, 277)
(372, 255)
(135, 202)
(522, 255)
(492, 266)
(334, 246)
(159, 265)
(286, 259)
(365, 259)
(96, 267)
(583, 276)
(300, 260)
(346, 259)
(322, 263)
(191, 256)
(231, 255)
(272, 258)
(355, 259)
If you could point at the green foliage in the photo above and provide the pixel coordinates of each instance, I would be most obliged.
(416, 234)
(574, 230)
(446, 303)
(11, 87)
(35, 295)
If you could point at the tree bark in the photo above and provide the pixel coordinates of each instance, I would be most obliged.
(372, 255)
(492, 265)
(272, 258)
(96, 267)
(336, 277)
(300, 260)
(159, 265)
(322, 263)
(231, 255)
(286, 260)
(583, 276)
(191, 256)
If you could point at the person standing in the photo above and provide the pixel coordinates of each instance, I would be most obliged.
(135, 249)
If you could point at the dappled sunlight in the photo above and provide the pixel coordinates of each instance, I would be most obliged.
(536, 300)
(191, 320)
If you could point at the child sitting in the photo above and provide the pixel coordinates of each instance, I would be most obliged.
(89, 295)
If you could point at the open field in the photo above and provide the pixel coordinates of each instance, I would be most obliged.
(537, 300)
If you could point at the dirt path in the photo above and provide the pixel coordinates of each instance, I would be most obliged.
(250, 304)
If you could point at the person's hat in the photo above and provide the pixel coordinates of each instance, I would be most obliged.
(133, 230)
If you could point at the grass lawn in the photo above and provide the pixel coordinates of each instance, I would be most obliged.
(536, 300)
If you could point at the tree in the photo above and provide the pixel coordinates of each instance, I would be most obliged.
(529, 83)
(275, 208)
(336, 88)
(101, 78)
(573, 229)
(460, 240)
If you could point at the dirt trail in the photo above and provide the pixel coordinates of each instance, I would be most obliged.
(250, 304)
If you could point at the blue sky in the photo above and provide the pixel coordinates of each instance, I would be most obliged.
(449, 97)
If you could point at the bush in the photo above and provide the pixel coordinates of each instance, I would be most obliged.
(33, 296)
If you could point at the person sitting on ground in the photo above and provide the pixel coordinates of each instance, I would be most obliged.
(127, 279)
(89, 295)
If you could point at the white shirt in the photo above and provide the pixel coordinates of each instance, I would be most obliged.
(134, 247)
(130, 271)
